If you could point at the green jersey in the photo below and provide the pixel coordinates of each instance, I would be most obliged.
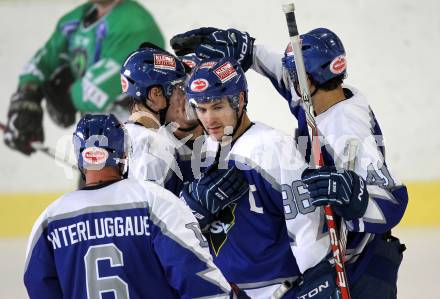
(94, 52)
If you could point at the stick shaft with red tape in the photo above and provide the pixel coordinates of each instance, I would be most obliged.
(295, 40)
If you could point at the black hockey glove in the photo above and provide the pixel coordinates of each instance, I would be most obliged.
(319, 281)
(209, 42)
(343, 189)
(57, 94)
(25, 120)
(216, 189)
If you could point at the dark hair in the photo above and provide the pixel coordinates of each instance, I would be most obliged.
(331, 84)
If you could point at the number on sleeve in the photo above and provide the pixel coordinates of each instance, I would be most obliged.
(296, 199)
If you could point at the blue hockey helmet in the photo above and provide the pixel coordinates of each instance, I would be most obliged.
(148, 67)
(100, 140)
(323, 53)
(190, 60)
(213, 79)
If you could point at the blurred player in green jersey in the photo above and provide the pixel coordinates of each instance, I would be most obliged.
(77, 69)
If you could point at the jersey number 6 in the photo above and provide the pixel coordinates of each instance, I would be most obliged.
(97, 285)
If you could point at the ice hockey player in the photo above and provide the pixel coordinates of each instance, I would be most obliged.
(185, 129)
(153, 78)
(249, 234)
(341, 113)
(123, 238)
(77, 70)
(162, 136)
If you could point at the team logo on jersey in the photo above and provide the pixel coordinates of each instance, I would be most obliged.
(338, 65)
(207, 65)
(164, 62)
(124, 84)
(94, 156)
(218, 230)
(225, 72)
(199, 85)
(78, 62)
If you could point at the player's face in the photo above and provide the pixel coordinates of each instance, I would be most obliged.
(218, 117)
(177, 110)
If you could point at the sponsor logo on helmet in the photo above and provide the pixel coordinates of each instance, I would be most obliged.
(338, 65)
(124, 84)
(199, 85)
(94, 155)
(208, 64)
(189, 62)
(166, 62)
(225, 72)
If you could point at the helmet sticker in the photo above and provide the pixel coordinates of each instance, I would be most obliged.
(225, 72)
(338, 65)
(189, 62)
(208, 64)
(124, 83)
(199, 85)
(166, 62)
(95, 155)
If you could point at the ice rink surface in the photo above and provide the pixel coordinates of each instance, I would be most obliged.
(418, 276)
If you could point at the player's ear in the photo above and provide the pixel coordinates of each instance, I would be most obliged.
(156, 98)
(242, 101)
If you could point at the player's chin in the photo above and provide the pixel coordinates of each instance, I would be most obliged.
(216, 132)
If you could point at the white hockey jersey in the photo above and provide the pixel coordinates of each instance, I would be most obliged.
(348, 120)
(153, 156)
(251, 239)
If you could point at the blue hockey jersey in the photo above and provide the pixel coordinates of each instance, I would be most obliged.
(124, 239)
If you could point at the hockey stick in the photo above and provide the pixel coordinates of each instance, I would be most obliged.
(351, 148)
(341, 277)
(38, 146)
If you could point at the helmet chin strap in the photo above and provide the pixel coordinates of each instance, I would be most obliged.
(296, 85)
(239, 120)
(162, 112)
(239, 117)
(188, 129)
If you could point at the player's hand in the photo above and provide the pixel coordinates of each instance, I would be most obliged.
(25, 120)
(209, 42)
(321, 274)
(343, 189)
(59, 104)
(216, 189)
(204, 218)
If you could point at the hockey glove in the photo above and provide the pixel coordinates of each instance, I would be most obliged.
(343, 189)
(216, 189)
(25, 120)
(209, 42)
(57, 94)
(202, 215)
(318, 282)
